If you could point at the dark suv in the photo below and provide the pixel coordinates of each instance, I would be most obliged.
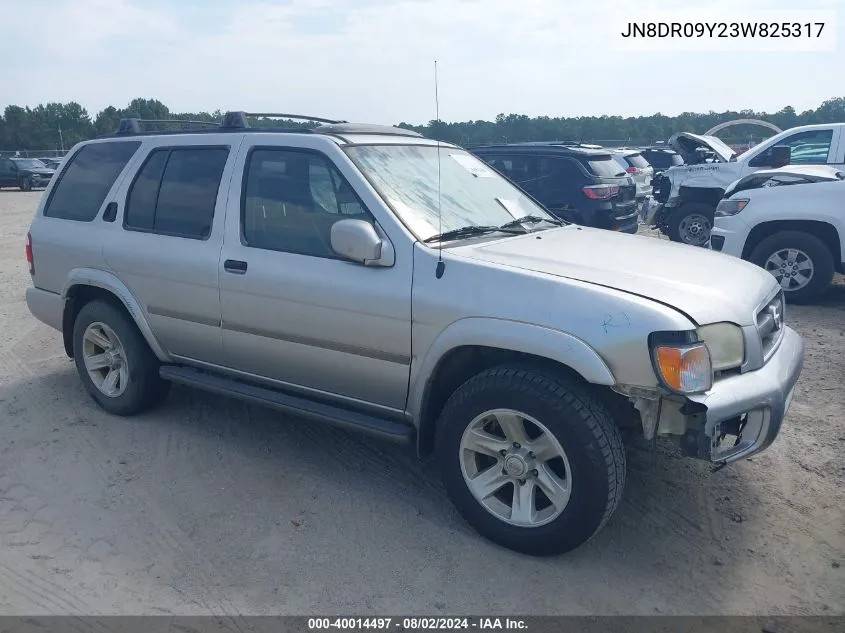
(24, 173)
(580, 184)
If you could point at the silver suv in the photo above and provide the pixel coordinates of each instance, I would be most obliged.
(370, 278)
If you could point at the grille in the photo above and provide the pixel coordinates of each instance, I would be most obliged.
(771, 321)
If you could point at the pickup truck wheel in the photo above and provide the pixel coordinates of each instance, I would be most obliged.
(691, 224)
(531, 461)
(116, 365)
(801, 263)
(26, 184)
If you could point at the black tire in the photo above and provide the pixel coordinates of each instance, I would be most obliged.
(144, 387)
(816, 251)
(676, 219)
(26, 184)
(577, 420)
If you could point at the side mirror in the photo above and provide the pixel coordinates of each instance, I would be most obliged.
(781, 155)
(358, 241)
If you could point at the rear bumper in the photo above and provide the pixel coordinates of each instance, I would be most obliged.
(754, 403)
(47, 307)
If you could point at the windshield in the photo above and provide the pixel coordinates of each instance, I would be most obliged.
(471, 193)
(29, 163)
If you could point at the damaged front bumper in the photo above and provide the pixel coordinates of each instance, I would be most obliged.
(743, 414)
(739, 416)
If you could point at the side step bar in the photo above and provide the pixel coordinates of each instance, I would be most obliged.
(294, 405)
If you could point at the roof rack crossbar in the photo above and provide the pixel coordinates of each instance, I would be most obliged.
(297, 117)
(132, 125)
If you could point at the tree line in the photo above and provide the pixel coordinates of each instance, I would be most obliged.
(57, 126)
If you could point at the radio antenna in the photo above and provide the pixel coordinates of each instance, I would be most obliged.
(441, 265)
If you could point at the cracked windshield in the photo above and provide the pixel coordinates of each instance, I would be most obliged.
(471, 194)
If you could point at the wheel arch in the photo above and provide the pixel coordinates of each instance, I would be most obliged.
(825, 231)
(85, 285)
(471, 345)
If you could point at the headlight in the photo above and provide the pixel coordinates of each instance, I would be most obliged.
(726, 344)
(684, 368)
(731, 207)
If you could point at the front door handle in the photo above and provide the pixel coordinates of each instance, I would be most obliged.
(235, 266)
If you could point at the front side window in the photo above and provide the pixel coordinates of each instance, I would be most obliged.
(425, 185)
(291, 200)
(175, 192)
(87, 179)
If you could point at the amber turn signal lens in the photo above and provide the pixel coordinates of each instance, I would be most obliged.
(685, 369)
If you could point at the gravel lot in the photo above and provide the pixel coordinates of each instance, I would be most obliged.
(207, 505)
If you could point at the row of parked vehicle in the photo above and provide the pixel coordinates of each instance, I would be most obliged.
(698, 191)
(582, 183)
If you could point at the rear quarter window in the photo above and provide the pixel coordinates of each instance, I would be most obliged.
(604, 167)
(87, 179)
(637, 160)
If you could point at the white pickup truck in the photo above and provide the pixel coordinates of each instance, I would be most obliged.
(685, 196)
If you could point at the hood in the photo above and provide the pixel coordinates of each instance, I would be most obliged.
(686, 143)
(706, 286)
(789, 175)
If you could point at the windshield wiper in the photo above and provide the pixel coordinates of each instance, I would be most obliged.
(467, 231)
(529, 219)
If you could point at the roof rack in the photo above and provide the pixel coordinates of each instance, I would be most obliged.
(238, 121)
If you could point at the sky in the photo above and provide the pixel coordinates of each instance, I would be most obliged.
(373, 60)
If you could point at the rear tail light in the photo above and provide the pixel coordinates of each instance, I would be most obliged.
(633, 170)
(601, 192)
(29, 257)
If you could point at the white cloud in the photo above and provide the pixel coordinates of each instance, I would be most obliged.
(373, 59)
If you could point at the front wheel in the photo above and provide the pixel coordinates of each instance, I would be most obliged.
(532, 461)
(802, 264)
(26, 184)
(691, 224)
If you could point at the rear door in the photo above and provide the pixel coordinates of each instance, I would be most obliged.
(166, 240)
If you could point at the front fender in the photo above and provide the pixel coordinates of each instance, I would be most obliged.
(112, 283)
(508, 335)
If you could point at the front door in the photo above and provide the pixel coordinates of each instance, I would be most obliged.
(292, 310)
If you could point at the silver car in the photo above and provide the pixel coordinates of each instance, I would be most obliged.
(370, 278)
(633, 162)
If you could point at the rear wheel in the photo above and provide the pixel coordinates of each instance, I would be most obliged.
(532, 461)
(691, 224)
(801, 263)
(116, 365)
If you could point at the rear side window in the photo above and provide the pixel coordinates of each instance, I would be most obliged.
(87, 179)
(637, 160)
(663, 160)
(175, 192)
(604, 167)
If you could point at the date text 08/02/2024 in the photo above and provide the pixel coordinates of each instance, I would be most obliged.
(417, 624)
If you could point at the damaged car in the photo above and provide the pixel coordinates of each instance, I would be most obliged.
(684, 197)
(788, 221)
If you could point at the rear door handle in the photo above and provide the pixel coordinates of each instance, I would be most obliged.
(235, 266)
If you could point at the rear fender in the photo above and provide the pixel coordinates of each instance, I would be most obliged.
(113, 284)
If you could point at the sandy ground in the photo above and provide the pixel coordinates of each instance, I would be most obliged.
(207, 505)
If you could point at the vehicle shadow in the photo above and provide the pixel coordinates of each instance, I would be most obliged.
(224, 471)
